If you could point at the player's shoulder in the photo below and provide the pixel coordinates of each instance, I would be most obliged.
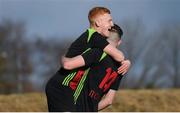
(98, 35)
(84, 34)
(112, 61)
(81, 38)
(97, 51)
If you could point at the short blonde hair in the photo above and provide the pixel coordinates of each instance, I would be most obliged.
(96, 11)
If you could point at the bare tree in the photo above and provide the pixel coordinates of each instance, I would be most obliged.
(154, 56)
(173, 42)
(16, 51)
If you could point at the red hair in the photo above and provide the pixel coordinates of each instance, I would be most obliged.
(95, 12)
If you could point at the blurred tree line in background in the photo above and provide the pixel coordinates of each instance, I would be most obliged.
(26, 65)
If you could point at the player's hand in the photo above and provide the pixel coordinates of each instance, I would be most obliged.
(124, 67)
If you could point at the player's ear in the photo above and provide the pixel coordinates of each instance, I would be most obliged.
(97, 23)
(119, 42)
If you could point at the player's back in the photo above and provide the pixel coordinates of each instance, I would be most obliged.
(99, 80)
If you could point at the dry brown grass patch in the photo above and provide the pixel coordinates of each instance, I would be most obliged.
(125, 100)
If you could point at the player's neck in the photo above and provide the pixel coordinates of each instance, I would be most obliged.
(114, 44)
(98, 29)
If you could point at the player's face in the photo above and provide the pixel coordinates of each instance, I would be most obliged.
(105, 23)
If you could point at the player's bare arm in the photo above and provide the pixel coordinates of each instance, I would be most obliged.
(78, 61)
(114, 52)
(72, 63)
(107, 100)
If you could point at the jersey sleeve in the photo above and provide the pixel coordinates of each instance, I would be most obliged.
(78, 46)
(92, 56)
(98, 41)
(116, 83)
